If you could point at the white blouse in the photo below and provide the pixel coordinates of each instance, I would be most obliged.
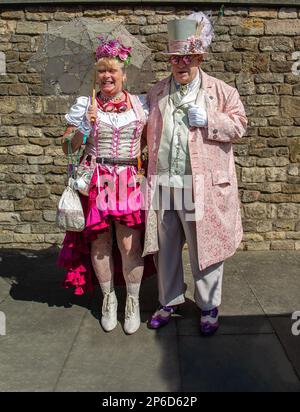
(79, 109)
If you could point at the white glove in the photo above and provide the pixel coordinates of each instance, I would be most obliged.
(197, 116)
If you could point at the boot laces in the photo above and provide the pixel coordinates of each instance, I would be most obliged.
(108, 302)
(131, 305)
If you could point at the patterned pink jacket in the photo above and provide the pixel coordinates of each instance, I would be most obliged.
(219, 227)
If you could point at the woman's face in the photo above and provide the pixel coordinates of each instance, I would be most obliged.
(110, 77)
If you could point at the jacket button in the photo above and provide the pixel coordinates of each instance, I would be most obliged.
(211, 97)
(215, 131)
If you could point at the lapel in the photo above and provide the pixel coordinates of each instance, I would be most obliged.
(163, 95)
(206, 86)
(205, 92)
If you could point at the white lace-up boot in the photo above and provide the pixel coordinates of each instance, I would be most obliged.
(132, 309)
(109, 307)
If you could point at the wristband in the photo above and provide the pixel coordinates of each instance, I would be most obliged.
(85, 137)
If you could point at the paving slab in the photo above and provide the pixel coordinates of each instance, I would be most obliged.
(5, 286)
(289, 338)
(274, 278)
(54, 341)
(37, 342)
(99, 361)
(235, 363)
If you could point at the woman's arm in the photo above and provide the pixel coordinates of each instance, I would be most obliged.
(81, 118)
(73, 135)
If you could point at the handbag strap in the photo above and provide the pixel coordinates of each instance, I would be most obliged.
(73, 161)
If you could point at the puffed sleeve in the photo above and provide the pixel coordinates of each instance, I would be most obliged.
(77, 111)
(144, 102)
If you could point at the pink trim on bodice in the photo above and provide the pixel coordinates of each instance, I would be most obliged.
(116, 139)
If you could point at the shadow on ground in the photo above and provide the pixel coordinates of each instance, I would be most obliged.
(54, 341)
(33, 276)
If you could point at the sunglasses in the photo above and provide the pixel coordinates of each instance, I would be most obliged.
(176, 59)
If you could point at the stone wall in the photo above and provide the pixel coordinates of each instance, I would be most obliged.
(253, 50)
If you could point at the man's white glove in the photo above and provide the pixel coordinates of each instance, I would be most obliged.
(197, 116)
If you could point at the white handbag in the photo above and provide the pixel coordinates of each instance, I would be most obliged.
(69, 215)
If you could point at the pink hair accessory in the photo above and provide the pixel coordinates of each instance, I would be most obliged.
(113, 48)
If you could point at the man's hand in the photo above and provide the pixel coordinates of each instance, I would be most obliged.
(197, 116)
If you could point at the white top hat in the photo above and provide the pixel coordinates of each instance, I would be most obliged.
(191, 35)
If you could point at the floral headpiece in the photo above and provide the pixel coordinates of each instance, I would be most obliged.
(113, 48)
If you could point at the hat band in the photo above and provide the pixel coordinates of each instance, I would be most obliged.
(184, 47)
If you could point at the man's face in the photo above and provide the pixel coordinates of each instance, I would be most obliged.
(185, 68)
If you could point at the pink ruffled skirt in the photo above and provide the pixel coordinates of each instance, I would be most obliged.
(118, 198)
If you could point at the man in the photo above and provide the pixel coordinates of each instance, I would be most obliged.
(194, 119)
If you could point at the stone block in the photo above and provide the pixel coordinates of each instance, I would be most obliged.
(278, 44)
(8, 217)
(6, 206)
(282, 245)
(257, 246)
(283, 27)
(28, 238)
(288, 211)
(6, 237)
(24, 204)
(39, 191)
(255, 210)
(287, 13)
(29, 28)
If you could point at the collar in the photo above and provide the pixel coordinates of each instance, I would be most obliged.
(190, 85)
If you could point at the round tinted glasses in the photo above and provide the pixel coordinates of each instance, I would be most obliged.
(187, 59)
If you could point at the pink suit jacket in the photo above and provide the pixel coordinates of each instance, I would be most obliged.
(218, 224)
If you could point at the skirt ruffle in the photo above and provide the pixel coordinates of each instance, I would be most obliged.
(75, 253)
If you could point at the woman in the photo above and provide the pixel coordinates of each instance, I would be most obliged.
(113, 129)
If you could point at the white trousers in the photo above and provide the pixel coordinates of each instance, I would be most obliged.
(174, 228)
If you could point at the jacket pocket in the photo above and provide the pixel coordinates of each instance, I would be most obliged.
(220, 177)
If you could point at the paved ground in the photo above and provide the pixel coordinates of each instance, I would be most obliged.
(54, 342)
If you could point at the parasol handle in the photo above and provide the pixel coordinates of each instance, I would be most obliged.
(94, 94)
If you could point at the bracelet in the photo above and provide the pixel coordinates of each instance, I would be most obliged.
(68, 135)
(85, 137)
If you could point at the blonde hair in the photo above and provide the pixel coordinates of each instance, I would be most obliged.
(111, 63)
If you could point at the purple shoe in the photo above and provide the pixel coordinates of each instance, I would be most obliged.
(162, 316)
(209, 321)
